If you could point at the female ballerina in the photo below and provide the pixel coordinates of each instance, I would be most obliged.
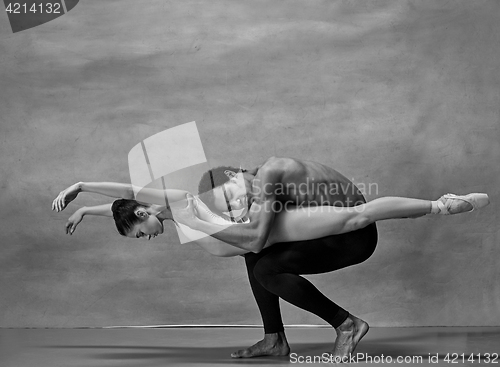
(140, 220)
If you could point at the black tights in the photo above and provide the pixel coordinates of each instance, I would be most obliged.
(274, 273)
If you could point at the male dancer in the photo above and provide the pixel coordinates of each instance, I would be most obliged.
(274, 272)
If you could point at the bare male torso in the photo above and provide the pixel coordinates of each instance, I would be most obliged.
(301, 182)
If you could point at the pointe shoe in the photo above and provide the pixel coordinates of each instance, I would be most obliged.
(455, 204)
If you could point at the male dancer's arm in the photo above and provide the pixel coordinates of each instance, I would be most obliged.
(219, 248)
(251, 236)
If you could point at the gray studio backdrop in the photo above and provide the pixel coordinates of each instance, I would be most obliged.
(401, 94)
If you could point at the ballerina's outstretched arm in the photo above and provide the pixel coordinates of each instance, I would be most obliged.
(117, 190)
(209, 244)
(75, 219)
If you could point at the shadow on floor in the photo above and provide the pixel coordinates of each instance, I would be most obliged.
(394, 343)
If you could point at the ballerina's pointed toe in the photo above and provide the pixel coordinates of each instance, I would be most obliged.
(455, 204)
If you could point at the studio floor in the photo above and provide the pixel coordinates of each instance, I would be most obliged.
(213, 346)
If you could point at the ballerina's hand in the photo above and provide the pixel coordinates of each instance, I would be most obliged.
(187, 215)
(73, 222)
(65, 197)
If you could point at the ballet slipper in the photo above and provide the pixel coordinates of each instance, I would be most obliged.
(455, 204)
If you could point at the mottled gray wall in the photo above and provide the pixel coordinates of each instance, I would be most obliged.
(404, 94)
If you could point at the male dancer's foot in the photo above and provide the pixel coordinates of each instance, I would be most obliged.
(348, 336)
(272, 345)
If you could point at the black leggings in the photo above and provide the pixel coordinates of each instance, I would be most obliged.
(274, 273)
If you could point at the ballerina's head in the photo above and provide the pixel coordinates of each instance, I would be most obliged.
(137, 220)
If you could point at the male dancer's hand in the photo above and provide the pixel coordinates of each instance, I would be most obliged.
(186, 215)
(65, 197)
